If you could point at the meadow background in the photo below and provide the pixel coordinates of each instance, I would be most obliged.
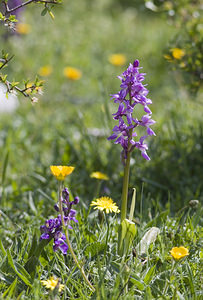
(70, 125)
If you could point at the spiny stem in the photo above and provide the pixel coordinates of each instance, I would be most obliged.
(68, 241)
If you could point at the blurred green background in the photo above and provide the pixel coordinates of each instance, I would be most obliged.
(72, 120)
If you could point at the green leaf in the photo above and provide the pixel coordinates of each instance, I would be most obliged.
(14, 83)
(44, 12)
(31, 203)
(138, 283)
(2, 248)
(10, 290)
(90, 237)
(127, 230)
(132, 207)
(40, 247)
(31, 264)
(149, 275)
(22, 276)
(130, 235)
(33, 245)
(116, 266)
(22, 270)
(191, 279)
(158, 219)
(8, 279)
(94, 249)
(121, 235)
(148, 293)
(12, 18)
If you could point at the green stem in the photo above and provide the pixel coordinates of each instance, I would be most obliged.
(171, 273)
(68, 241)
(107, 236)
(124, 198)
(98, 188)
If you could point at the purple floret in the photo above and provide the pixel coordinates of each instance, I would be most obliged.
(132, 92)
(59, 242)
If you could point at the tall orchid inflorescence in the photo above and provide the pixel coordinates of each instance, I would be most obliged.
(132, 92)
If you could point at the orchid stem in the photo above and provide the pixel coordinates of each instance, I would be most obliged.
(68, 241)
(124, 199)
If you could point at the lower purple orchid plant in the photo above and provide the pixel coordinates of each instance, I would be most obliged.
(53, 228)
(57, 228)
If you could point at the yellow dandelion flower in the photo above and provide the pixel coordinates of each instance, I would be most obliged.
(52, 283)
(72, 73)
(99, 175)
(105, 203)
(117, 59)
(177, 53)
(45, 71)
(23, 28)
(60, 172)
(179, 252)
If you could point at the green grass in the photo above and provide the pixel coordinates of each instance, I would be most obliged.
(61, 128)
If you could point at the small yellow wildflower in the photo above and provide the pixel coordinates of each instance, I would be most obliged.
(117, 59)
(179, 252)
(72, 73)
(52, 283)
(23, 28)
(45, 71)
(105, 203)
(177, 53)
(99, 175)
(60, 172)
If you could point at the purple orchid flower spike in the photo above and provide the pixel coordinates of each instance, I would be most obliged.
(132, 92)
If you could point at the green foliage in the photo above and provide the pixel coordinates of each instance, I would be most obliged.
(9, 20)
(30, 89)
(186, 16)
